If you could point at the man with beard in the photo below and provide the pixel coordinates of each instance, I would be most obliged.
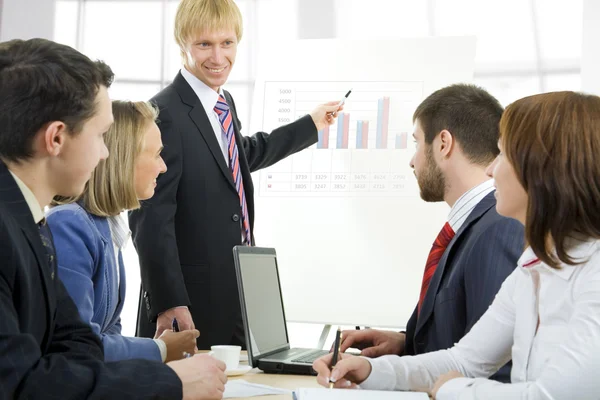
(456, 134)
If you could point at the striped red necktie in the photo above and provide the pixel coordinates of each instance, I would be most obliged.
(226, 119)
(435, 254)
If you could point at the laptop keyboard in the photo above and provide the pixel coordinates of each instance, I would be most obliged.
(308, 358)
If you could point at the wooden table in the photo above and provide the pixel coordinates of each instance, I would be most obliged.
(282, 381)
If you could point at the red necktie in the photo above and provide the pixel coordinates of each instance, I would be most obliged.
(226, 119)
(437, 250)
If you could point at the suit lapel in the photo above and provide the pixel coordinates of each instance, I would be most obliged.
(33, 237)
(429, 301)
(200, 119)
(13, 200)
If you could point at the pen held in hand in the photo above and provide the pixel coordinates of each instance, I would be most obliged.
(175, 325)
(336, 352)
(341, 103)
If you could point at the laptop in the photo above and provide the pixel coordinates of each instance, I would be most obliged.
(264, 315)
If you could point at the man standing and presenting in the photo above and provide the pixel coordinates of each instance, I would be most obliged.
(456, 135)
(204, 203)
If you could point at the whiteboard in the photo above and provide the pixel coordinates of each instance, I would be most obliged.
(351, 232)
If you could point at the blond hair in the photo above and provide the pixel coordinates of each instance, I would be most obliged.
(197, 16)
(111, 189)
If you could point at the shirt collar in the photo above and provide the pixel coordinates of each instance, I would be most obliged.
(208, 97)
(580, 250)
(467, 202)
(119, 230)
(32, 202)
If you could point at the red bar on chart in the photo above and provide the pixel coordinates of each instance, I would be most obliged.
(323, 138)
(346, 131)
(403, 140)
(365, 134)
(385, 123)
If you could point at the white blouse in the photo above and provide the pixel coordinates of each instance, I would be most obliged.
(120, 234)
(547, 319)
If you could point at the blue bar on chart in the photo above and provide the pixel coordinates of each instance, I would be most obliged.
(401, 140)
(362, 134)
(323, 142)
(342, 130)
(383, 120)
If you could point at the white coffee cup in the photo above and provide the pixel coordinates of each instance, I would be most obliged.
(230, 355)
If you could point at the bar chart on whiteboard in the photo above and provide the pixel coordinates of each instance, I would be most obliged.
(365, 152)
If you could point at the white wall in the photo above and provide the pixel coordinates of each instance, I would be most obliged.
(1, 7)
(316, 19)
(590, 57)
(26, 19)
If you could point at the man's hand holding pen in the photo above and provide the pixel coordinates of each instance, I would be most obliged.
(325, 114)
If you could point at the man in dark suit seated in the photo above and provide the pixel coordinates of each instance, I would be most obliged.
(456, 133)
(54, 110)
(204, 204)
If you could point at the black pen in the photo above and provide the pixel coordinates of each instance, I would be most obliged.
(175, 326)
(336, 352)
(341, 103)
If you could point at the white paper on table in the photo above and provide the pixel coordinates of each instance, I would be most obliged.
(242, 388)
(346, 394)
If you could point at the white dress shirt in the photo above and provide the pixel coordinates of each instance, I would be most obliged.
(120, 234)
(547, 320)
(467, 202)
(208, 97)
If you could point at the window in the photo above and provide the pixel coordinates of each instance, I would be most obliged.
(523, 47)
(65, 22)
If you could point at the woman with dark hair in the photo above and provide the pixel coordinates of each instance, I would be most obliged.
(546, 316)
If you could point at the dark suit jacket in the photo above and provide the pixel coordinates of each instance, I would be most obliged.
(481, 255)
(46, 351)
(185, 233)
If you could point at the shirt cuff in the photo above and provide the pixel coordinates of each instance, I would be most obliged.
(162, 347)
(452, 389)
(382, 377)
(186, 307)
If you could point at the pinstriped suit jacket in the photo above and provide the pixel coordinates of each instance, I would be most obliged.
(46, 351)
(479, 258)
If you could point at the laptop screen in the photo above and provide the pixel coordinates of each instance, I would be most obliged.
(263, 303)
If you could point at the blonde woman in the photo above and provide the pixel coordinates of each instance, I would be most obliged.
(89, 234)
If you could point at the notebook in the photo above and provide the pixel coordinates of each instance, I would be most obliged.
(357, 394)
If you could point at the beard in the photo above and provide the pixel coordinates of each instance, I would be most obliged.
(431, 180)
